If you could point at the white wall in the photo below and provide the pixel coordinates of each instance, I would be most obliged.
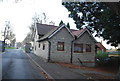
(39, 50)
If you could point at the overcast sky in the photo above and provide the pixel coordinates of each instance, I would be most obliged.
(20, 14)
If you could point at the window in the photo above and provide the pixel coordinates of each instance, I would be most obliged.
(35, 47)
(88, 48)
(39, 45)
(39, 37)
(78, 48)
(43, 46)
(60, 46)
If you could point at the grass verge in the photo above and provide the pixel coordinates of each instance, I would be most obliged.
(10, 48)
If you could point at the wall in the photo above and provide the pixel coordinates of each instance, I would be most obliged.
(87, 58)
(35, 43)
(61, 56)
(40, 52)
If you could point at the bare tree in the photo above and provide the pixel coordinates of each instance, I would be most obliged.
(8, 33)
(51, 23)
(44, 17)
(37, 18)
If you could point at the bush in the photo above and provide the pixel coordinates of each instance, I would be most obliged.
(101, 55)
(102, 58)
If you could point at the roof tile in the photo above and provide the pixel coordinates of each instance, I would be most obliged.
(42, 29)
(47, 30)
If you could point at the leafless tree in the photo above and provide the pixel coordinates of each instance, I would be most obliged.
(37, 18)
(8, 33)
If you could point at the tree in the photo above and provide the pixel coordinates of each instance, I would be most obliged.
(115, 6)
(37, 18)
(96, 17)
(31, 34)
(8, 34)
(13, 41)
(61, 22)
(51, 23)
(41, 18)
(68, 25)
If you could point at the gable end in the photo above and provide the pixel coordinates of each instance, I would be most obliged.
(86, 30)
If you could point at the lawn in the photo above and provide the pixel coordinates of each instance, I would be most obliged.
(10, 48)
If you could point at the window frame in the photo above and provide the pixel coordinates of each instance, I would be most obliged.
(60, 46)
(88, 48)
(39, 45)
(78, 46)
(35, 48)
(43, 47)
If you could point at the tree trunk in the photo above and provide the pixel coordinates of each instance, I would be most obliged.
(3, 46)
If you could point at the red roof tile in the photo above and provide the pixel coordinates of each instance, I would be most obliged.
(76, 32)
(101, 47)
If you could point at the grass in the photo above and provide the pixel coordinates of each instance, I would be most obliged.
(10, 48)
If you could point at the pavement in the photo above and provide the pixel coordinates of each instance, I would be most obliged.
(55, 71)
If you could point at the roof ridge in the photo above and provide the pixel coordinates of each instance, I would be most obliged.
(47, 24)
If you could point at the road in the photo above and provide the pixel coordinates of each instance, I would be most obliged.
(17, 65)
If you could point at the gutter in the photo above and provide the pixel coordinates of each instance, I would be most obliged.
(49, 50)
(42, 40)
(71, 59)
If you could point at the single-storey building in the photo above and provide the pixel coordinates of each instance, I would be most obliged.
(61, 44)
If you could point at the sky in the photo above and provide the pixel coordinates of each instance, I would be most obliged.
(20, 15)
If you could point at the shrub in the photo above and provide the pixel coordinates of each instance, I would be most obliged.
(101, 55)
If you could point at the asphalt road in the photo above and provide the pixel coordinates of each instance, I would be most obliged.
(17, 65)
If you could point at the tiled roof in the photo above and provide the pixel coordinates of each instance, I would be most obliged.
(48, 33)
(76, 32)
(101, 46)
(42, 29)
(48, 30)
